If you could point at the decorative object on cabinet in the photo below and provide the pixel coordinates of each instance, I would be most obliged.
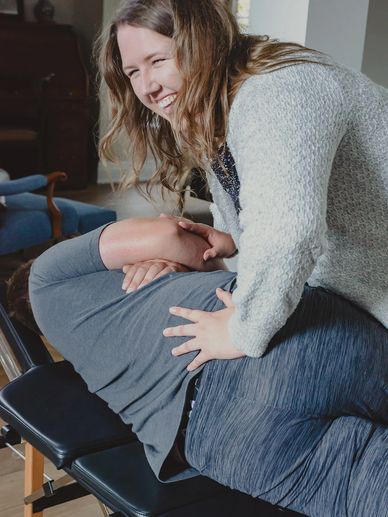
(44, 11)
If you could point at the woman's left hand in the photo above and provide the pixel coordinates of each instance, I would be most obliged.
(209, 331)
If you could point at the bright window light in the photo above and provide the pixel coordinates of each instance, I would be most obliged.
(242, 8)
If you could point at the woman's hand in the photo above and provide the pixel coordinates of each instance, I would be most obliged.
(209, 331)
(221, 244)
(142, 273)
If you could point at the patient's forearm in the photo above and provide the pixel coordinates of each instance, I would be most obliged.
(135, 240)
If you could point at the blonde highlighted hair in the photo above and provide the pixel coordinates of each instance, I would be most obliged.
(214, 58)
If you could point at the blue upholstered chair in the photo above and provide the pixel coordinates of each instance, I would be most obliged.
(28, 219)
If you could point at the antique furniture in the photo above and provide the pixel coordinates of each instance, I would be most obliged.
(28, 219)
(44, 101)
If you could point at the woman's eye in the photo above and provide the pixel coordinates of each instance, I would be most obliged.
(131, 73)
(157, 61)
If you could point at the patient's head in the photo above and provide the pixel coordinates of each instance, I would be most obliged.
(18, 299)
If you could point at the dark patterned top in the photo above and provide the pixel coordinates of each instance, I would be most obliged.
(229, 180)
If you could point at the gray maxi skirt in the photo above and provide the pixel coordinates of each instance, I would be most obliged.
(305, 426)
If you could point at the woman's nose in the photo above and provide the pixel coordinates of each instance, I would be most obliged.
(149, 83)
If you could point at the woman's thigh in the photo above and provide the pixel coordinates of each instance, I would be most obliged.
(318, 467)
(330, 359)
(268, 426)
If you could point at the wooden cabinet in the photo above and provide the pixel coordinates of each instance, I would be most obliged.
(46, 56)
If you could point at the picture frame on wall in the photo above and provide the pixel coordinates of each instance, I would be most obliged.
(12, 10)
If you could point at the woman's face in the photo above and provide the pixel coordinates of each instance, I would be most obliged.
(148, 61)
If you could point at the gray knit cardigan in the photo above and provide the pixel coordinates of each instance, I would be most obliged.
(310, 143)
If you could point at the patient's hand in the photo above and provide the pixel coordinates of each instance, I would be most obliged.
(139, 274)
(151, 247)
(220, 244)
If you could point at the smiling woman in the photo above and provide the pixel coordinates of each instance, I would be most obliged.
(148, 60)
(294, 147)
(203, 99)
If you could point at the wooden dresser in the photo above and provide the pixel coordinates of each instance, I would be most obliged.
(44, 91)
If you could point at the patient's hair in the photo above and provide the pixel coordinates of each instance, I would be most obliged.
(18, 299)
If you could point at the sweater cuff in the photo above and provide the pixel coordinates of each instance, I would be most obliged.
(250, 340)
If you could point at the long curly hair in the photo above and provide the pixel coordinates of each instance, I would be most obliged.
(214, 58)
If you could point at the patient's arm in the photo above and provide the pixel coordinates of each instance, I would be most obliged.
(135, 240)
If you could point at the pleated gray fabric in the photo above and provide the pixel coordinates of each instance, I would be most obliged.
(305, 426)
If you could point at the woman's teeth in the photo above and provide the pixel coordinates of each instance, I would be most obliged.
(167, 101)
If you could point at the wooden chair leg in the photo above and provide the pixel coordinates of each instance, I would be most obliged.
(33, 476)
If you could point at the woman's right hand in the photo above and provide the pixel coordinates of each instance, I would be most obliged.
(142, 273)
(221, 244)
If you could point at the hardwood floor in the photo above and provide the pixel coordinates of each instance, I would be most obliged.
(128, 204)
(11, 490)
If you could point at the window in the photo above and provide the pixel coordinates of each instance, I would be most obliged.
(241, 8)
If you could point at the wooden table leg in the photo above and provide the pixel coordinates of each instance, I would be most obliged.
(33, 476)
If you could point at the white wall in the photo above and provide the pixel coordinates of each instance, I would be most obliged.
(338, 28)
(375, 59)
(280, 19)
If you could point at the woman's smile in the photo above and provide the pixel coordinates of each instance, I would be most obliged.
(167, 102)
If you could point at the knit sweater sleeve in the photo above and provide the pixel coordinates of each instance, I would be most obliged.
(284, 132)
(219, 222)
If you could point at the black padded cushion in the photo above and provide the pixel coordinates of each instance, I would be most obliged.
(51, 407)
(122, 479)
(231, 504)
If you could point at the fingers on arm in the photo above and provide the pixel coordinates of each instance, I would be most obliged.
(175, 218)
(155, 271)
(139, 275)
(203, 230)
(133, 277)
(165, 271)
(210, 254)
